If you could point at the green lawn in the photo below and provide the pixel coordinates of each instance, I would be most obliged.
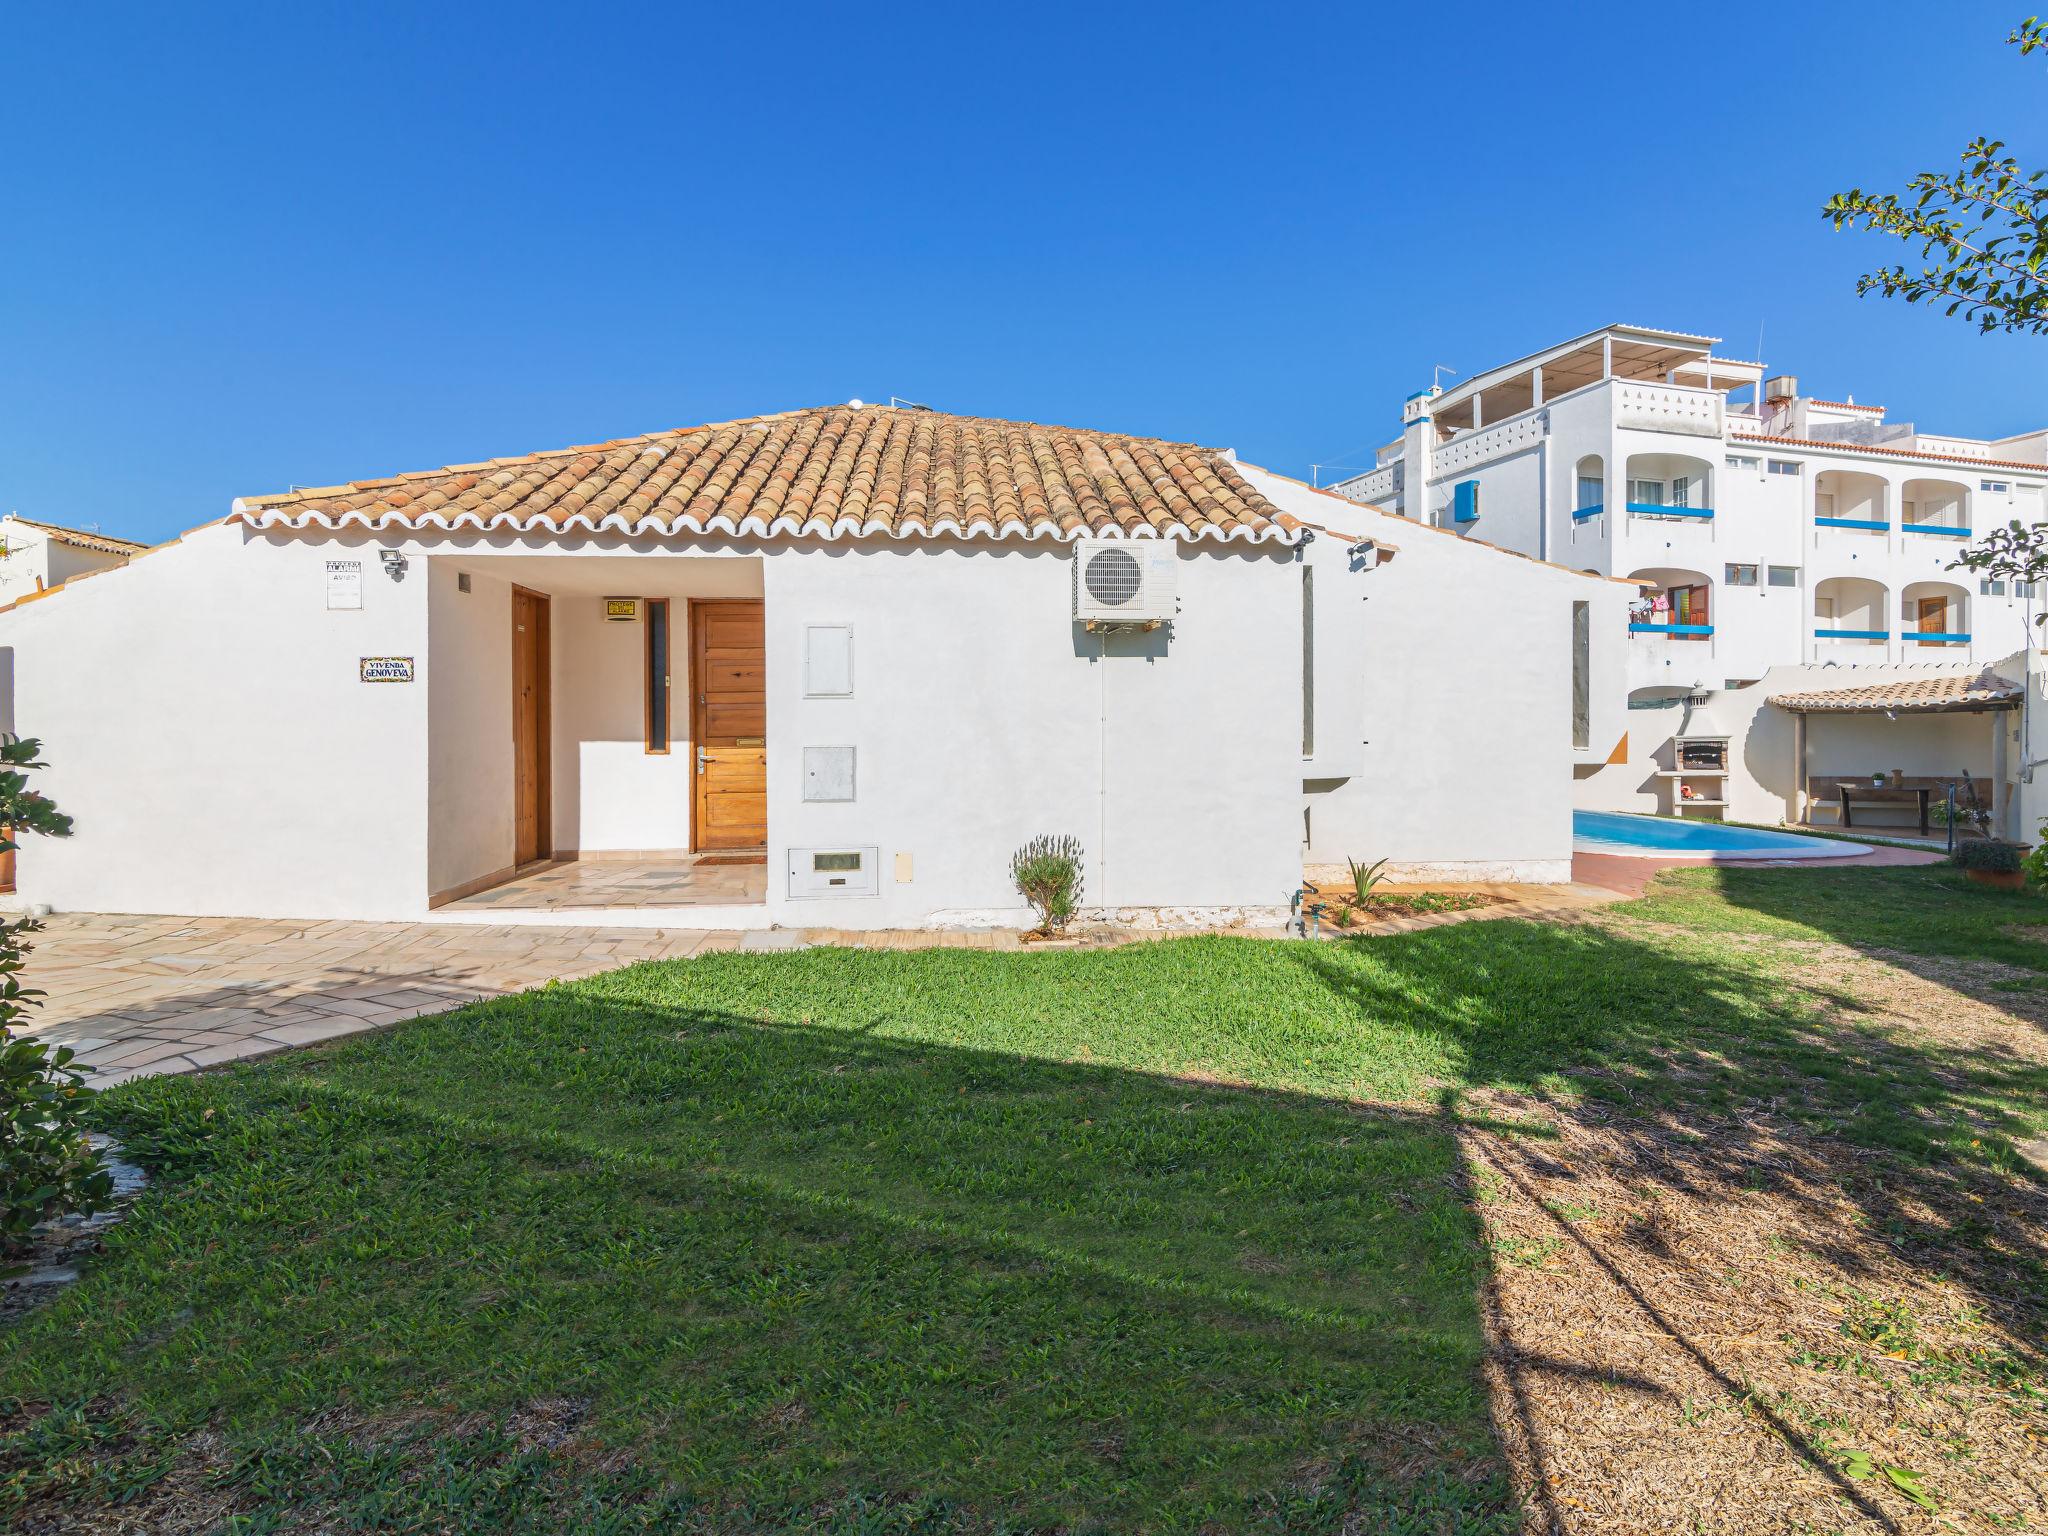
(1174, 1237)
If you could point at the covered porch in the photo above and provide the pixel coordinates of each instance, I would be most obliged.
(1888, 756)
(597, 736)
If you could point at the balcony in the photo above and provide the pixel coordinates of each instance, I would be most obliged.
(1659, 509)
(1868, 524)
(1933, 637)
(1879, 635)
(1689, 631)
(1946, 530)
(1587, 514)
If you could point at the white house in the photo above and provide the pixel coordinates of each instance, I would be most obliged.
(36, 556)
(826, 668)
(1773, 529)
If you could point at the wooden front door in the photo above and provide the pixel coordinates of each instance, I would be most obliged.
(532, 815)
(729, 724)
(1933, 615)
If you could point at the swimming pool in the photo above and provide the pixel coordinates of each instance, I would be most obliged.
(1645, 837)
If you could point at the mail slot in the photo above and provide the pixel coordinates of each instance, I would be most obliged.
(834, 871)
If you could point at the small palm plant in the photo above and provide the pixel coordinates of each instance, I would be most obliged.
(1364, 879)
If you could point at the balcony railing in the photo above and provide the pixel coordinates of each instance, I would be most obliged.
(1852, 634)
(1934, 637)
(1946, 530)
(1874, 524)
(1658, 509)
(1581, 514)
(1692, 631)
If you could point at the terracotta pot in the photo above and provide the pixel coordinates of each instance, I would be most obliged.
(1999, 879)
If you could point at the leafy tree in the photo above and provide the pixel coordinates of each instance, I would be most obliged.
(47, 1166)
(1982, 230)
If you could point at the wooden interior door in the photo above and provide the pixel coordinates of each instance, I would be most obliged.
(1933, 615)
(532, 816)
(729, 724)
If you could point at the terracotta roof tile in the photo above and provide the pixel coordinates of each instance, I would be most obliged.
(78, 538)
(833, 472)
(1844, 446)
(1917, 695)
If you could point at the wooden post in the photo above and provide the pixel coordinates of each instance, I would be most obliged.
(1798, 796)
(1998, 827)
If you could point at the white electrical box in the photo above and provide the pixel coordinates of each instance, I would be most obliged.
(828, 661)
(828, 773)
(1126, 581)
(834, 871)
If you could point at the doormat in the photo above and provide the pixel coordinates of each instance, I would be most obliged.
(721, 860)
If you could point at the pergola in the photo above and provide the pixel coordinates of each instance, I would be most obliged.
(1953, 693)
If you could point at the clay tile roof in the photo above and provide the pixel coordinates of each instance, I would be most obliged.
(1944, 693)
(833, 472)
(78, 538)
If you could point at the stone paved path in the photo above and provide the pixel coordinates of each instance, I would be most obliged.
(135, 995)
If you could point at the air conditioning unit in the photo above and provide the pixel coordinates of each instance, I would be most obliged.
(1126, 581)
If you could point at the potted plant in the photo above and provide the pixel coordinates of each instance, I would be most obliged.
(1991, 861)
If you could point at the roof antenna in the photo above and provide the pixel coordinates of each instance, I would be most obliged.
(1441, 368)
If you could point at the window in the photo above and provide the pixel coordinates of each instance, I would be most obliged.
(1784, 466)
(2023, 589)
(1744, 461)
(1465, 501)
(1782, 575)
(1995, 487)
(1823, 503)
(657, 675)
(1681, 491)
(1741, 575)
(1582, 690)
(1647, 492)
(1991, 588)
(1591, 489)
(1308, 661)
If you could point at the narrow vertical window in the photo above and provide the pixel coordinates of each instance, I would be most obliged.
(1308, 661)
(657, 674)
(1582, 661)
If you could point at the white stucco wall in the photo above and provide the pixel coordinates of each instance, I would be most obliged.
(982, 717)
(1444, 724)
(206, 728)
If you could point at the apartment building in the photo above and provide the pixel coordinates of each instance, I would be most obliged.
(1770, 528)
(1774, 528)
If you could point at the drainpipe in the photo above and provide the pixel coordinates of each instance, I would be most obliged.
(1543, 490)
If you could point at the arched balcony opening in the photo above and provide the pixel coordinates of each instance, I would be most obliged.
(1670, 485)
(1589, 490)
(1849, 612)
(1934, 615)
(1842, 498)
(1678, 605)
(1935, 508)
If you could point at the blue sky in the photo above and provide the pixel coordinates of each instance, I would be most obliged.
(267, 245)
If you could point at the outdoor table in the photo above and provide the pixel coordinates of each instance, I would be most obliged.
(1883, 795)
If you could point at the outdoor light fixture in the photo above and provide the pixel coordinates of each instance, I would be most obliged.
(394, 563)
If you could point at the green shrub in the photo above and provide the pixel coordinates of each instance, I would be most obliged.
(1364, 877)
(1048, 874)
(47, 1166)
(1989, 854)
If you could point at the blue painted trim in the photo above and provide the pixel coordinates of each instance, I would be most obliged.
(1579, 515)
(1652, 509)
(1931, 637)
(1671, 629)
(1940, 528)
(1849, 522)
(1851, 634)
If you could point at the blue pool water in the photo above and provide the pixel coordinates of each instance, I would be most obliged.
(1644, 836)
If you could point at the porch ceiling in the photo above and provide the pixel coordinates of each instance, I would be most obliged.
(682, 574)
